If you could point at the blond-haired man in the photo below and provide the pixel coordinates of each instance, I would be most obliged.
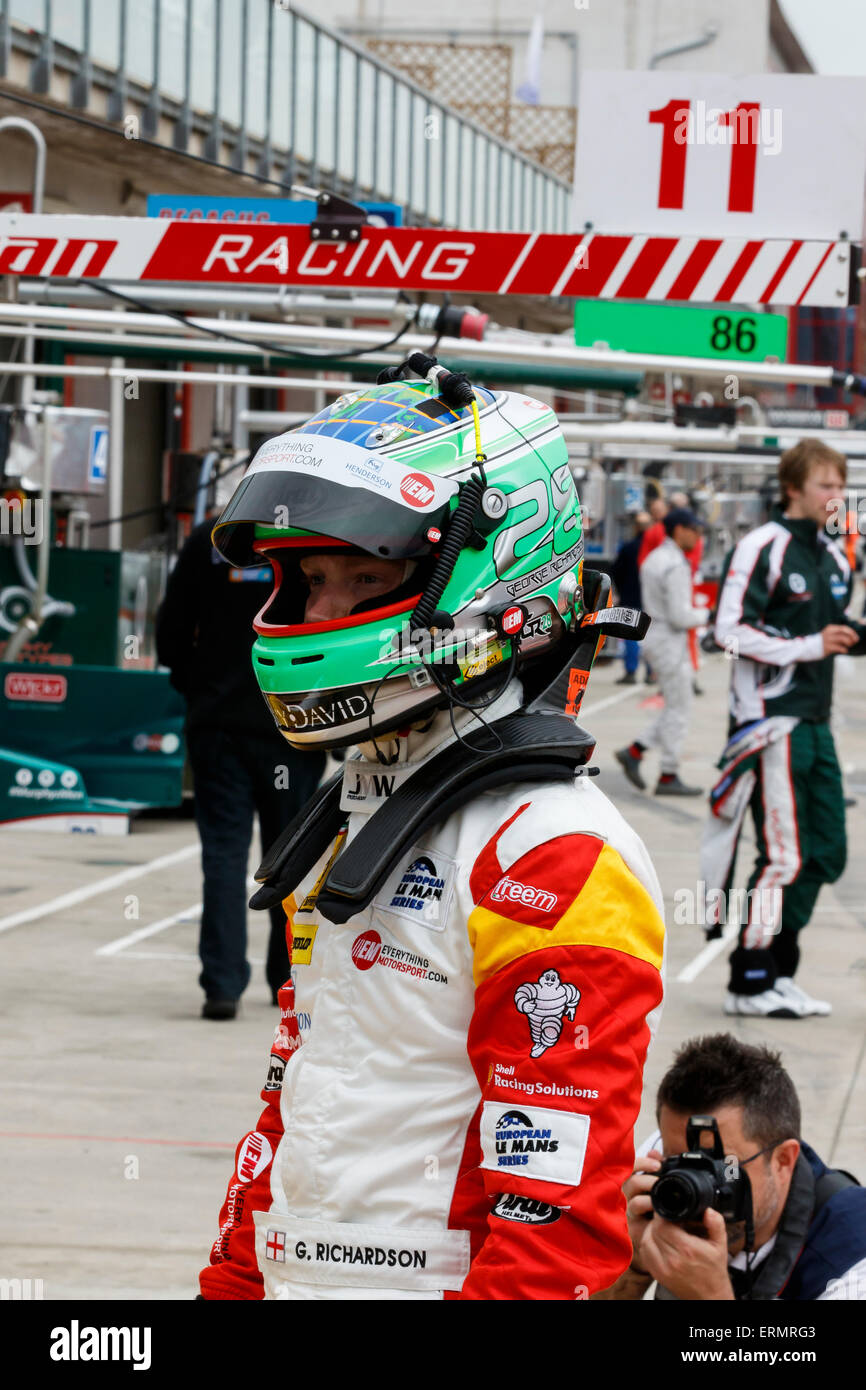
(781, 619)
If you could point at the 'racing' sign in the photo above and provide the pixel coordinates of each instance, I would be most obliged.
(422, 258)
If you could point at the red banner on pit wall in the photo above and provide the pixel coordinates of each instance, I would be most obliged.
(470, 263)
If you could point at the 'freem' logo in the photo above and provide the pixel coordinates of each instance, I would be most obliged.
(512, 890)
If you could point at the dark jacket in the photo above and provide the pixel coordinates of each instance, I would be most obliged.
(835, 1239)
(624, 572)
(204, 635)
(784, 582)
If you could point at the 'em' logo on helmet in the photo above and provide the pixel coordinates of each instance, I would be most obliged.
(512, 620)
(417, 490)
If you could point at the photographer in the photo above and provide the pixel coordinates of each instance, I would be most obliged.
(792, 1229)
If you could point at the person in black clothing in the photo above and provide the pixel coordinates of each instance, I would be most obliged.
(240, 764)
(626, 579)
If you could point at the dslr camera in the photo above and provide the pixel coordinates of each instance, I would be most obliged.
(690, 1182)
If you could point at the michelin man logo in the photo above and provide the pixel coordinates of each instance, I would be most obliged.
(545, 1003)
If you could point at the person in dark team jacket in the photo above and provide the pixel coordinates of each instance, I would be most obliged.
(781, 620)
(624, 573)
(240, 764)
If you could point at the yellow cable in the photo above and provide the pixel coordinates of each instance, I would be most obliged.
(479, 454)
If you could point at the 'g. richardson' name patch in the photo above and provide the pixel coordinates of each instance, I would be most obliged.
(547, 1145)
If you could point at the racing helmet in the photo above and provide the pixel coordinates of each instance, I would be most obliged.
(472, 489)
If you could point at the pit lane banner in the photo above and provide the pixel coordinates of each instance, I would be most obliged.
(704, 270)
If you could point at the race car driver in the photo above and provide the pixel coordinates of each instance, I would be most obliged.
(457, 1072)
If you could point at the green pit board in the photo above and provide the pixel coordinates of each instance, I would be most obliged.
(680, 330)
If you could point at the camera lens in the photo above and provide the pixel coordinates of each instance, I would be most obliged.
(682, 1196)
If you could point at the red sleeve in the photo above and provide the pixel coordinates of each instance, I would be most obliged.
(652, 537)
(567, 945)
(695, 556)
(233, 1271)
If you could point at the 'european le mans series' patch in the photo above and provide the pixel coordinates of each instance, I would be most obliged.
(534, 1142)
(420, 890)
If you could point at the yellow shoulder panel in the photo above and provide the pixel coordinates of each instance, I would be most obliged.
(613, 909)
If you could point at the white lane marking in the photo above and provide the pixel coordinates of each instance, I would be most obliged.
(174, 955)
(159, 955)
(141, 933)
(102, 885)
(711, 950)
(629, 694)
(518, 263)
(186, 914)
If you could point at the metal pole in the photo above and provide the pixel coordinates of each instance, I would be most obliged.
(45, 547)
(265, 159)
(79, 87)
(239, 158)
(213, 143)
(219, 378)
(184, 121)
(116, 107)
(28, 128)
(548, 349)
(150, 114)
(289, 170)
(115, 450)
(314, 133)
(443, 164)
(240, 432)
(426, 209)
(392, 181)
(356, 144)
(410, 168)
(374, 186)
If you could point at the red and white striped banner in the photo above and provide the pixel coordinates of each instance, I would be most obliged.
(702, 269)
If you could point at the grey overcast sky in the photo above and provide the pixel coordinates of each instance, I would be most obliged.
(833, 33)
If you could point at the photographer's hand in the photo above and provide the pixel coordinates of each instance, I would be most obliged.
(689, 1266)
(639, 1209)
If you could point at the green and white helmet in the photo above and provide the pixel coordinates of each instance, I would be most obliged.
(393, 471)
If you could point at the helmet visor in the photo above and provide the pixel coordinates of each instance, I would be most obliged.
(332, 488)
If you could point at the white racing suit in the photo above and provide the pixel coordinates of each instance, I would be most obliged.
(666, 594)
(457, 1071)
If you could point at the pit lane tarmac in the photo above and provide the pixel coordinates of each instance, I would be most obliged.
(121, 1107)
